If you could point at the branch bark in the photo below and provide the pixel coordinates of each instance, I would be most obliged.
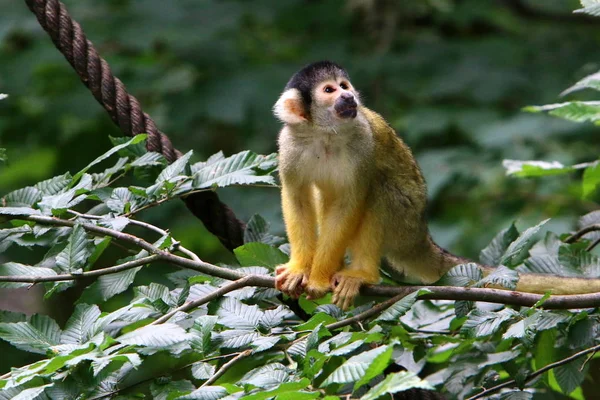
(500, 296)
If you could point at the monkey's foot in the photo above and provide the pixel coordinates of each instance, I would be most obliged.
(316, 289)
(290, 280)
(345, 290)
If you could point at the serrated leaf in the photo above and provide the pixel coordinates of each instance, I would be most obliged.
(36, 393)
(18, 211)
(501, 276)
(492, 254)
(206, 393)
(591, 9)
(11, 268)
(260, 254)
(133, 141)
(240, 169)
(75, 254)
(36, 336)
(107, 286)
(54, 185)
(534, 168)
(161, 391)
(57, 204)
(515, 394)
(518, 250)
(400, 307)
(149, 159)
(287, 388)
(462, 275)
(157, 336)
(589, 82)
(237, 338)
(25, 197)
(235, 314)
(375, 368)
(78, 329)
(569, 376)
(175, 169)
(356, 367)
(202, 370)
(272, 318)
(395, 383)
(576, 111)
(484, 323)
(257, 230)
(267, 376)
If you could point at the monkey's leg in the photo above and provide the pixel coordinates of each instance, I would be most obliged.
(300, 223)
(339, 217)
(366, 248)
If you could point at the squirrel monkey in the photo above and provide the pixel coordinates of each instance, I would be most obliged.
(350, 184)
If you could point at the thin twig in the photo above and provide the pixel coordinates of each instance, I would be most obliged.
(146, 225)
(592, 245)
(581, 232)
(366, 314)
(499, 296)
(226, 367)
(537, 373)
(245, 281)
(82, 275)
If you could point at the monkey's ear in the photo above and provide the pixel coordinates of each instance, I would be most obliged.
(290, 108)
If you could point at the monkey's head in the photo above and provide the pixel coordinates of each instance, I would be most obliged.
(320, 94)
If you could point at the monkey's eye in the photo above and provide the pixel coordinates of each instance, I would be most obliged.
(344, 86)
(328, 89)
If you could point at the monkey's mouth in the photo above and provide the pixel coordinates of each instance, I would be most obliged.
(346, 109)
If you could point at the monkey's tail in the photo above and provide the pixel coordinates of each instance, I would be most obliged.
(533, 283)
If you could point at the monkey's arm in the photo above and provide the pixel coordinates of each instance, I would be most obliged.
(300, 222)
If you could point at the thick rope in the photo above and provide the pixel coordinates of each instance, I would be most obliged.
(126, 112)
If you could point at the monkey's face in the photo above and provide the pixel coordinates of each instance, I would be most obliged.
(334, 101)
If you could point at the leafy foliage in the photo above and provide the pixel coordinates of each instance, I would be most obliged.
(247, 343)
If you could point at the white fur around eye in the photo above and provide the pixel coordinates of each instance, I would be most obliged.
(290, 108)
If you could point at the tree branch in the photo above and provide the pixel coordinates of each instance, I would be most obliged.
(537, 373)
(500, 296)
(577, 235)
(226, 367)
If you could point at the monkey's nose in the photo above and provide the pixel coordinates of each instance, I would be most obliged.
(347, 97)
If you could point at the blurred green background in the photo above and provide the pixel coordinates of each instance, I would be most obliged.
(450, 75)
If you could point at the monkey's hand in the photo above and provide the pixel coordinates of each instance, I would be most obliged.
(346, 286)
(290, 279)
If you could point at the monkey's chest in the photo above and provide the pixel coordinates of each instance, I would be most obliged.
(327, 163)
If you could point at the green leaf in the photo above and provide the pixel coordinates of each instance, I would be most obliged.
(375, 368)
(36, 393)
(500, 276)
(462, 275)
(18, 211)
(202, 370)
(355, 368)
(518, 250)
(569, 376)
(290, 388)
(157, 336)
(515, 394)
(175, 169)
(244, 168)
(206, 393)
(591, 179)
(133, 141)
(36, 336)
(107, 286)
(589, 82)
(395, 383)
(55, 185)
(591, 9)
(149, 159)
(492, 254)
(313, 338)
(257, 230)
(161, 391)
(260, 254)
(237, 338)
(78, 329)
(11, 268)
(576, 111)
(202, 332)
(400, 307)
(484, 323)
(26, 197)
(531, 169)
(267, 376)
(237, 315)
(75, 254)
(314, 321)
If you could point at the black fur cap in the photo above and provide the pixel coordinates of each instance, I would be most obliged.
(305, 79)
